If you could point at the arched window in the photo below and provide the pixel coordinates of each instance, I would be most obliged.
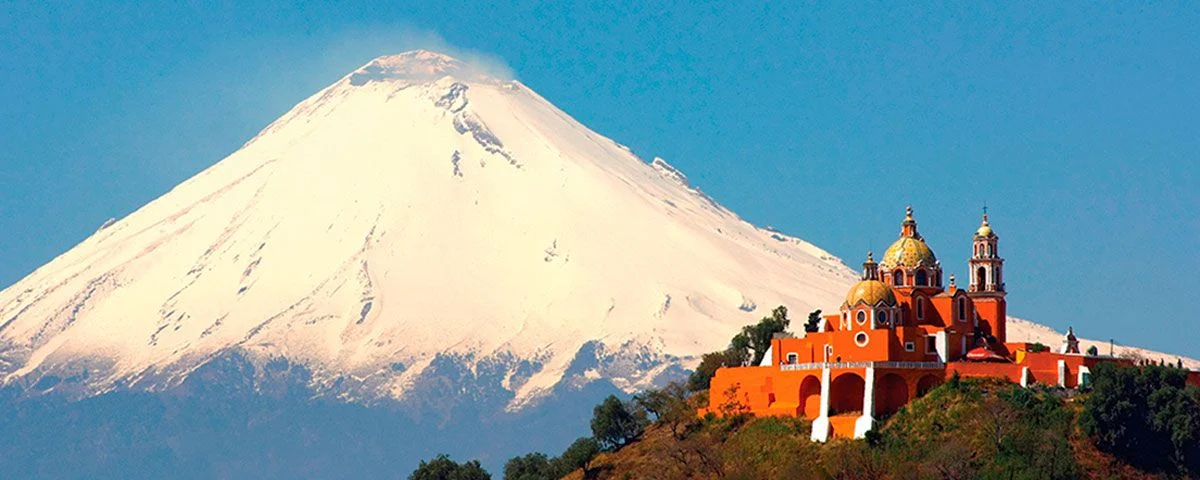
(920, 308)
(862, 317)
(962, 310)
(991, 251)
(898, 278)
(881, 317)
(922, 278)
(980, 278)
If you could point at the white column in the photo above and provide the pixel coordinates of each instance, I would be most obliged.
(1025, 380)
(1062, 373)
(943, 346)
(820, 426)
(867, 420)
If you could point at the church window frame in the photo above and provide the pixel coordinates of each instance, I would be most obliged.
(962, 309)
(862, 339)
(920, 304)
(881, 317)
(898, 278)
(861, 317)
(922, 278)
(910, 346)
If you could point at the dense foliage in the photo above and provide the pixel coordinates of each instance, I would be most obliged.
(616, 423)
(1146, 415)
(964, 429)
(814, 321)
(537, 466)
(982, 429)
(534, 466)
(748, 347)
(443, 468)
(756, 339)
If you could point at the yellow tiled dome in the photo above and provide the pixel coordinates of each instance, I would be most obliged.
(985, 229)
(908, 252)
(870, 292)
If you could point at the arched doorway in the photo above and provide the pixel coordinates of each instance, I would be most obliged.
(891, 393)
(927, 383)
(810, 397)
(846, 394)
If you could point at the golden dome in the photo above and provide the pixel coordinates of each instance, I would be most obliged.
(870, 292)
(908, 252)
(985, 229)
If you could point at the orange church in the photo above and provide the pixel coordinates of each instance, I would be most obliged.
(899, 333)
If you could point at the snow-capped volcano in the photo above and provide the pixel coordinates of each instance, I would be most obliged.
(418, 212)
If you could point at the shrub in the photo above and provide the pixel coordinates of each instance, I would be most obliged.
(533, 466)
(443, 468)
(577, 456)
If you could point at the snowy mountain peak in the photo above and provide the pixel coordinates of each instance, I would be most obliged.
(414, 225)
(418, 66)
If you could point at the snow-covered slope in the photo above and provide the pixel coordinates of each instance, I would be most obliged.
(416, 211)
(1020, 330)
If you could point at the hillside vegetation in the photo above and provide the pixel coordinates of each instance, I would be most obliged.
(964, 429)
(1133, 422)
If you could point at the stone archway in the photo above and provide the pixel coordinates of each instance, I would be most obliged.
(846, 394)
(927, 383)
(810, 397)
(891, 393)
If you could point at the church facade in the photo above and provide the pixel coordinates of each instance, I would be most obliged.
(899, 333)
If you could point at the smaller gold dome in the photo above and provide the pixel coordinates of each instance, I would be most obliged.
(985, 229)
(870, 292)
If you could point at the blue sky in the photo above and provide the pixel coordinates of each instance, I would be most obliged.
(1077, 125)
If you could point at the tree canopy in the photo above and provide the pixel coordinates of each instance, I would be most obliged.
(1148, 416)
(615, 424)
(443, 468)
(748, 347)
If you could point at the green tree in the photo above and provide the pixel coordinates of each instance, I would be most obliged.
(577, 456)
(814, 321)
(615, 424)
(1146, 415)
(701, 378)
(670, 406)
(443, 468)
(756, 339)
(533, 466)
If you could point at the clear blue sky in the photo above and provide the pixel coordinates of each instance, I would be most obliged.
(1077, 126)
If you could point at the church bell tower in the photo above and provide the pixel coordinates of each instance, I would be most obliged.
(986, 288)
(986, 266)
